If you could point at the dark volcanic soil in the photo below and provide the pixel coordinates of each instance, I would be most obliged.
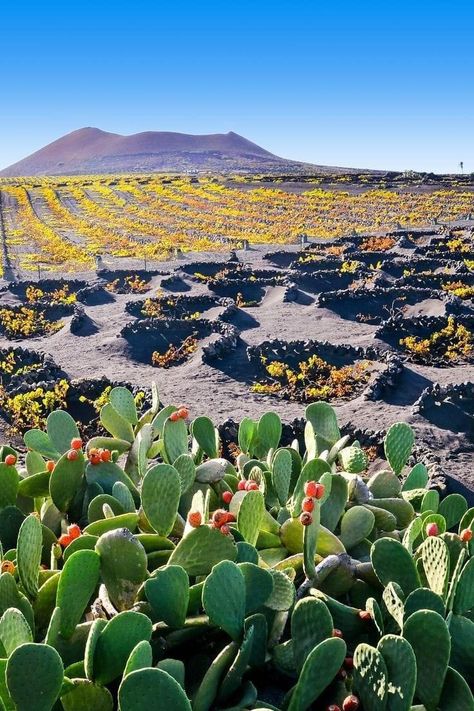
(222, 390)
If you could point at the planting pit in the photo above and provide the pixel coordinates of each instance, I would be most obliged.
(448, 407)
(306, 371)
(21, 365)
(437, 341)
(378, 304)
(175, 307)
(331, 280)
(165, 342)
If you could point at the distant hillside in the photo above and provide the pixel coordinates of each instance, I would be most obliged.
(90, 150)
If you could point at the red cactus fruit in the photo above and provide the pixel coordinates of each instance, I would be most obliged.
(225, 529)
(194, 519)
(333, 707)
(365, 615)
(350, 703)
(319, 491)
(10, 460)
(94, 456)
(308, 504)
(349, 663)
(174, 417)
(337, 633)
(230, 517)
(219, 517)
(183, 412)
(432, 529)
(50, 466)
(72, 455)
(76, 443)
(64, 540)
(242, 484)
(106, 455)
(227, 497)
(465, 535)
(73, 531)
(310, 488)
(251, 486)
(305, 518)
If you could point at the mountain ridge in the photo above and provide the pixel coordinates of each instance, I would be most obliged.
(91, 150)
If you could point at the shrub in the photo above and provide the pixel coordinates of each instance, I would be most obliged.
(451, 344)
(142, 569)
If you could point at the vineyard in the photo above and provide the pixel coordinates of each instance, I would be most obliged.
(63, 224)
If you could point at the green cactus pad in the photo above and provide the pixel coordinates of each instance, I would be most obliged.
(34, 676)
(65, 481)
(357, 524)
(94, 633)
(223, 598)
(106, 474)
(140, 657)
(393, 599)
(10, 482)
(393, 563)
(400, 662)
(249, 518)
(161, 491)
(168, 594)
(324, 422)
(186, 469)
(29, 547)
(435, 557)
(281, 474)
(201, 549)
(123, 401)
(370, 677)
(258, 586)
(116, 642)
(155, 689)
(113, 523)
(398, 444)
(137, 461)
(319, 669)
(417, 478)
(268, 433)
(84, 694)
(461, 630)
(206, 436)
(283, 595)
(428, 635)
(209, 687)
(335, 504)
(79, 578)
(353, 459)
(311, 623)
(123, 565)
(430, 501)
(456, 694)
(247, 433)
(110, 443)
(464, 596)
(38, 441)
(175, 438)
(259, 625)
(401, 509)
(14, 630)
(452, 507)
(233, 679)
(116, 424)
(423, 599)
(61, 429)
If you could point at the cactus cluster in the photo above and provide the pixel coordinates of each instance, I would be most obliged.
(142, 571)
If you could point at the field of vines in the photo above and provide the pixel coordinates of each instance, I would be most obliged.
(62, 224)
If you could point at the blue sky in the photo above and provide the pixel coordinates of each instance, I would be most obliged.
(365, 84)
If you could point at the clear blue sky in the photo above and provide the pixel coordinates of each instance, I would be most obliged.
(365, 84)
